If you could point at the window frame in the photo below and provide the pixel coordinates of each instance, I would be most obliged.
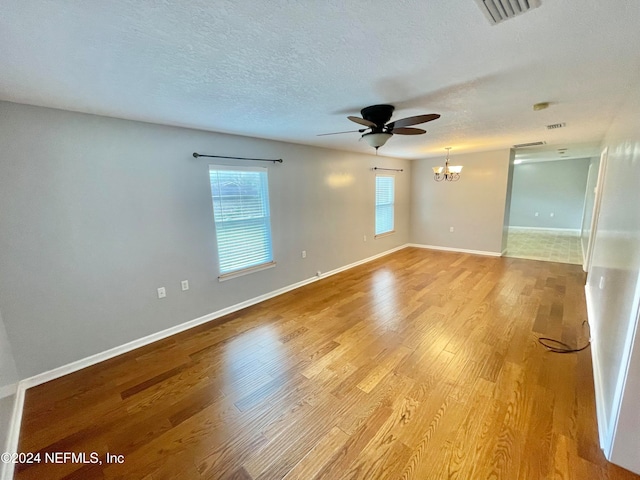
(376, 205)
(264, 196)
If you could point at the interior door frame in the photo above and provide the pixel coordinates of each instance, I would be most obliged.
(587, 214)
(586, 266)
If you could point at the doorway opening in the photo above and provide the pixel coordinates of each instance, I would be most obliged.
(548, 209)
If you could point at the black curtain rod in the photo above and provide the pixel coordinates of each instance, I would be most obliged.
(278, 160)
(389, 169)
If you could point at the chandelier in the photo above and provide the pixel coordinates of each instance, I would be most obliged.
(450, 173)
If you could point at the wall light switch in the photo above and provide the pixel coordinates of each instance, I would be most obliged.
(365, 238)
(537, 214)
(162, 292)
(450, 229)
(185, 285)
(601, 284)
(552, 214)
(304, 254)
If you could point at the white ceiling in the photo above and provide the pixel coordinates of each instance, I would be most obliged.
(289, 70)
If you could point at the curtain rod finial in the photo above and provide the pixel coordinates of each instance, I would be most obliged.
(195, 155)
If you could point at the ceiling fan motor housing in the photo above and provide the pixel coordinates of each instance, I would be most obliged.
(378, 114)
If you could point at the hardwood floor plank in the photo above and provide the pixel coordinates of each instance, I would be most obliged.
(383, 368)
(364, 405)
(418, 365)
(309, 466)
(458, 453)
(340, 461)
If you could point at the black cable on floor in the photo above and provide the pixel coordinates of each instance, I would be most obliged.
(556, 346)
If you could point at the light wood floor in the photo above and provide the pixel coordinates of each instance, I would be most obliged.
(419, 365)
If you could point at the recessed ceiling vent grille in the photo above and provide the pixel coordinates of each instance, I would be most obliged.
(532, 144)
(553, 126)
(498, 11)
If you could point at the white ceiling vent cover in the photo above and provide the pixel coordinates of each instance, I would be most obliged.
(532, 144)
(498, 11)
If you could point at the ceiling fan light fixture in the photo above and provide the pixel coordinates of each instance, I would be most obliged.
(377, 140)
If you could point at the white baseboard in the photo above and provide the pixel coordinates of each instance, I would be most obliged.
(359, 262)
(13, 435)
(458, 250)
(545, 229)
(154, 337)
(604, 432)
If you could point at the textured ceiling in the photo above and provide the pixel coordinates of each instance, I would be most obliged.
(289, 70)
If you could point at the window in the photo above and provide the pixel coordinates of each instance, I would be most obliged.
(385, 197)
(241, 213)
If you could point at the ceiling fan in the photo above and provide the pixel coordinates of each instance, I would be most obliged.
(378, 128)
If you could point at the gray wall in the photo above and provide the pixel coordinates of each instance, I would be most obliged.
(474, 206)
(8, 384)
(7, 405)
(613, 285)
(97, 213)
(556, 187)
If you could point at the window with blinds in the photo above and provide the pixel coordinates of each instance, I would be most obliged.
(241, 213)
(385, 199)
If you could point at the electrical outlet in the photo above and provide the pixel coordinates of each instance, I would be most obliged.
(185, 285)
(365, 238)
(552, 214)
(450, 229)
(318, 273)
(304, 254)
(537, 214)
(162, 292)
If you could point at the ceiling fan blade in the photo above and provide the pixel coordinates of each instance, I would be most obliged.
(362, 121)
(338, 133)
(408, 131)
(405, 122)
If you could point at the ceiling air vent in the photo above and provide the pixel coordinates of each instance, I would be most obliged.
(532, 144)
(498, 11)
(553, 126)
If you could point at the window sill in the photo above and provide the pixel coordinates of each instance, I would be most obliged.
(245, 271)
(385, 234)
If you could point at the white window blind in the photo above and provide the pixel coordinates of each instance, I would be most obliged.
(241, 213)
(385, 198)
